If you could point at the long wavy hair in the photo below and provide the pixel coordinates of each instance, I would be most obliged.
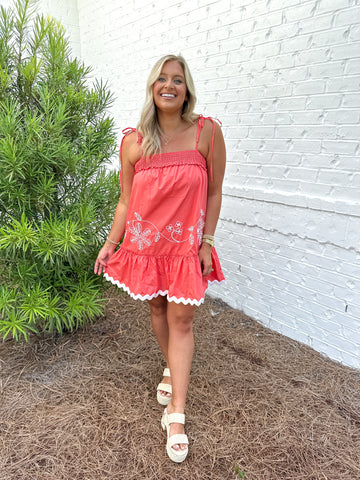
(148, 125)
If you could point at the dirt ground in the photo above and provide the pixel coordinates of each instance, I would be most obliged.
(83, 406)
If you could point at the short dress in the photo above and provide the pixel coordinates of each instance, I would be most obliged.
(164, 228)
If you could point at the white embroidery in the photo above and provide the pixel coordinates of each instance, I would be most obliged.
(174, 230)
(200, 230)
(143, 237)
(139, 236)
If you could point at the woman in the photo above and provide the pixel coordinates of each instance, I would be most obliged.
(172, 168)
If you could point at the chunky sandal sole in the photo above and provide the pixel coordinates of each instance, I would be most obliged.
(177, 456)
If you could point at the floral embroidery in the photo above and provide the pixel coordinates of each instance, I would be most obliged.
(200, 228)
(143, 237)
(174, 229)
(139, 236)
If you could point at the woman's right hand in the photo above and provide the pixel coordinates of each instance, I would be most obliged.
(104, 255)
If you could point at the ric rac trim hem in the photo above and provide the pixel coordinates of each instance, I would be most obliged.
(185, 301)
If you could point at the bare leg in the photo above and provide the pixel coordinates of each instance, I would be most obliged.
(158, 311)
(180, 353)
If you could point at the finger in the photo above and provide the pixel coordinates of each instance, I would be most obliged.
(98, 268)
(206, 271)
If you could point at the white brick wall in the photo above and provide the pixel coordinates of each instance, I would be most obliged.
(284, 77)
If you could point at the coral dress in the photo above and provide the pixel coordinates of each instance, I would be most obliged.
(164, 228)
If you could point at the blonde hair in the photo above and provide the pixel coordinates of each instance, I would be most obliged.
(148, 125)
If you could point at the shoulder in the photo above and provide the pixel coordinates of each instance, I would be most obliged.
(131, 150)
(211, 129)
(209, 124)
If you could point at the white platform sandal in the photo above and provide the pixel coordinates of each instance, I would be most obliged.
(177, 456)
(165, 387)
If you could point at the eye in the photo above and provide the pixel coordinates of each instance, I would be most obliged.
(161, 79)
(178, 81)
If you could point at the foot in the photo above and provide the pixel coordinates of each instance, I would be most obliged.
(176, 428)
(166, 380)
(164, 388)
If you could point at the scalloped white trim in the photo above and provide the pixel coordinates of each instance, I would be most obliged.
(185, 301)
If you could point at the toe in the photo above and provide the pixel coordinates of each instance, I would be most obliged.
(164, 394)
(182, 446)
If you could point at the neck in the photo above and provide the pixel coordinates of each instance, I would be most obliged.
(169, 123)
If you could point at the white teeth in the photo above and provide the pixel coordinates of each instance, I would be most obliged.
(168, 95)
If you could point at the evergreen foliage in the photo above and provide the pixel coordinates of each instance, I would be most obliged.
(56, 197)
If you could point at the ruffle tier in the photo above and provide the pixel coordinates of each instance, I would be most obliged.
(178, 278)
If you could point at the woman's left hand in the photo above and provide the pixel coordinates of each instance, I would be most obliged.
(205, 259)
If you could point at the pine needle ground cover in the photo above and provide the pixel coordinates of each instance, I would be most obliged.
(260, 406)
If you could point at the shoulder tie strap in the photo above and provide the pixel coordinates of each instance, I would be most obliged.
(200, 125)
(125, 132)
(201, 122)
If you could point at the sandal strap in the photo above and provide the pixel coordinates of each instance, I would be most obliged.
(165, 387)
(176, 418)
(178, 439)
(166, 372)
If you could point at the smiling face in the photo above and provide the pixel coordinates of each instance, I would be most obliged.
(169, 90)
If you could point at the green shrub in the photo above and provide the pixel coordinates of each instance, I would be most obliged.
(56, 196)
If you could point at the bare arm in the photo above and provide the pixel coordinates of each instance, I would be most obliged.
(129, 155)
(214, 194)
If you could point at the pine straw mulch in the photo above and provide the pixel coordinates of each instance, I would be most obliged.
(83, 406)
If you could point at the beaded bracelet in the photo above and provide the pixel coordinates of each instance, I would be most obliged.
(111, 241)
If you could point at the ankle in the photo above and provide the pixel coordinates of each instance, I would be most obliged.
(175, 408)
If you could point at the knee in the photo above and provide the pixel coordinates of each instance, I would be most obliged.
(157, 307)
(181, 324)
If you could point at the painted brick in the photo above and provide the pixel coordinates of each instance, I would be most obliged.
(345, 84)
(314, 117)
(326, 101)
(262, 132)
(340, 147)
(280, 4)
(296, 44)
(351, 132)
(299, 12)
(347, 16)
(354, 33)
(280, 61)
(350, 100)
(294, 103)
(353, 66)
(280, 118)
(217, 8)
(332, 37)
(276, 91)
(294, 74)
(327, 70)
(309, 87)
(330, 6)
(339, 52)
(341, 117)
(287, 158)
(316, 23)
